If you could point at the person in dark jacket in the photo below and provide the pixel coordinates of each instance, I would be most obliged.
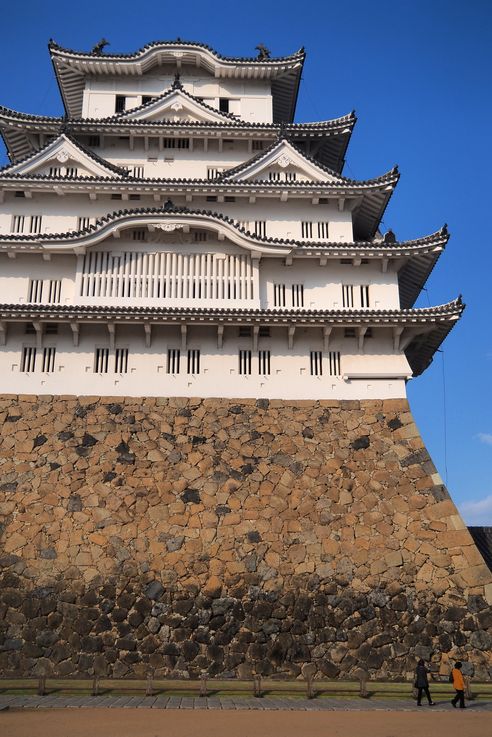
(422, 683)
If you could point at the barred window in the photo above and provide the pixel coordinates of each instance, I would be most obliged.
(245, 362)
(49, 359)
(334, 363)
(54, 291)
(279, 295)
(35, 291)
(55, 171)
(18, 222)
(260, 228)
(264, 363)
(257, 145)
(173, 360)
(323, 230)
(244, 331)
(348, 296)
(297, 295)
(139, 234)
(306, 229)
(364, 295)
(28, 362)
(316, 363)
(176, 142)
(121, 361)
(71, 171)
(290, 176)
(83, 223)
(137, 171)
(101, 360)
(193, 361)
(94, 141)
(35, 223)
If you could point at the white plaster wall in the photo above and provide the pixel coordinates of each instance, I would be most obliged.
(250, 100)
(60, 214)
(322, 284)
(147, 372)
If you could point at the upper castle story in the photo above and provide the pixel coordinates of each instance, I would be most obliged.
(260, 89)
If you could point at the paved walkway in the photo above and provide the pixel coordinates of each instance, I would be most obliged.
(225, 703)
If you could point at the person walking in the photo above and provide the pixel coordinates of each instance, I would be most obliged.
(422, 683)
(459, 685)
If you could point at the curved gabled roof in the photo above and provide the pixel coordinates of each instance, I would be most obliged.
(72, 67)
(106, 166)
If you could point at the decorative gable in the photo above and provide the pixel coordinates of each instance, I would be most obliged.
(179, 107)
(282, 162)
(64, 157)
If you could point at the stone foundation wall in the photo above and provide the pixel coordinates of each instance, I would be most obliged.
(230, 537)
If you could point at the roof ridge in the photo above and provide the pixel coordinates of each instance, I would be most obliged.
(300, 54)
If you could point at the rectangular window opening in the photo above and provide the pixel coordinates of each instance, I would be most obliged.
(121, 361)
(173, 360)
(297, 295)
(279, 295)
(264, 363)
(334, 363)
(193, 361)
(245, 363)
(120, 103)
(101, 360)
(28, 361)
(316, 363)
(348, 296)
(49, 360)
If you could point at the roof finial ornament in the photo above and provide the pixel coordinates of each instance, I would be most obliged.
(444, 229)
(168, 205)
(177, 82)
(98, 48)
(263, 52)
(389, 237)
(282, 131)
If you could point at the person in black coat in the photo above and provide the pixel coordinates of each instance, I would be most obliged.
(422, 683)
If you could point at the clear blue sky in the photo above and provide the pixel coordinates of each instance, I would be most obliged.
(418, 74)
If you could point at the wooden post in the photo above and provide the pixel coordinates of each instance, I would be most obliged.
(150, 686)
(257, 686)
(203, 685)
(363, 693)
(95, 686)
(309, 687)
(42, 686)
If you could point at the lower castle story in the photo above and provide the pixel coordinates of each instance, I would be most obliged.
(230, 536)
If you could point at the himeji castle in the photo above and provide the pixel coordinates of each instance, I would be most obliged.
(208, 464)
(177, 233)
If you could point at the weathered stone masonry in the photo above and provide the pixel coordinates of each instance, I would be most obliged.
(230, 537)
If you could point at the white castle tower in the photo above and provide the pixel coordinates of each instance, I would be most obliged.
(176, 233)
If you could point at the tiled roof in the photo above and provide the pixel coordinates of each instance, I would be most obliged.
(389, 177)
(171, 210)
(231, 121)
(297, 56)
(448, 310)
(438, 321)
(87, 151)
